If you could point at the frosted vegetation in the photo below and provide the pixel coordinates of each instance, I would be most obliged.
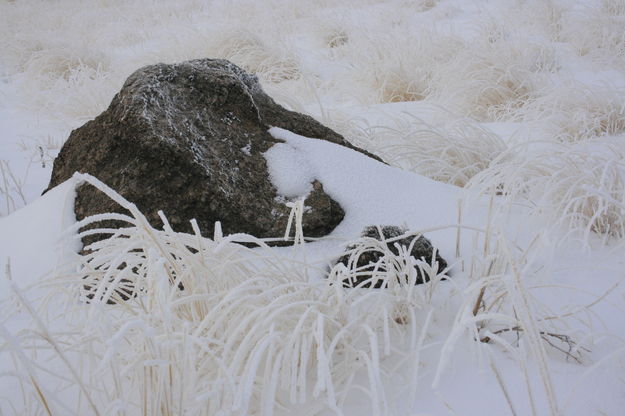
(516, 108)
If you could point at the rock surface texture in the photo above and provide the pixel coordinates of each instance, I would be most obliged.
(188, 139)
(368, 256)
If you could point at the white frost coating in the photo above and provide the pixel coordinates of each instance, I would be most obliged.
(289, 170)
(247, 149)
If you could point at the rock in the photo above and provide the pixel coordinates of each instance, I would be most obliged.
(372, 254)
(188, 139)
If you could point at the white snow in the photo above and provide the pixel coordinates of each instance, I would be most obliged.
(289, 171)
(33, 239)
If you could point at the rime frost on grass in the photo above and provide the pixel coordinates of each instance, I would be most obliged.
(579, 186)
(450, 152)
(213, 327)
(10, 189)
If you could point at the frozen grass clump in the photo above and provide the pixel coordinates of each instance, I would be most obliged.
(577, 185)
(574, 111)
(495, 74)
(450, 151)
(66, 85)
(68, 79)
(398, 66)
(272, 62)
(603, 37)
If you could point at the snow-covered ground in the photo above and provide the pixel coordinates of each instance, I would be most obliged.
(503, 123)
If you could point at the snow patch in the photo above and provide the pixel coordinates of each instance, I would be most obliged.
(289, 170)
(33, 238)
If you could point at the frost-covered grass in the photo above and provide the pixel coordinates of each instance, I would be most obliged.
(452, 151)
(10, 189)
(157, 322)
(518, 102)
(579, 186)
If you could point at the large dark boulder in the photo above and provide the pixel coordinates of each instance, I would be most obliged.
(188, 139)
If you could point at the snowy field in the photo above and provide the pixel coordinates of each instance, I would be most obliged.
(503, 126)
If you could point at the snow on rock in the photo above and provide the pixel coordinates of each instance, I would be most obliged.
(370, 192)
(289, 170)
